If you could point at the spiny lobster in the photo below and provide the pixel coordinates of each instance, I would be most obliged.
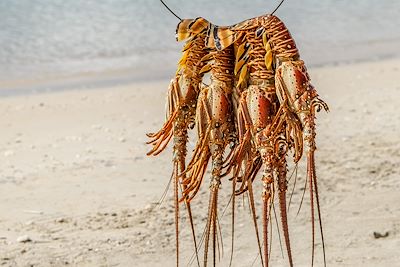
(183, 92)
(256, 74)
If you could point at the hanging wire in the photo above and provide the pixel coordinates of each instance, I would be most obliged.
(277, 7)
(172, 12)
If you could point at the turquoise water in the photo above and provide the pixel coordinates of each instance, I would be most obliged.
(41, 38)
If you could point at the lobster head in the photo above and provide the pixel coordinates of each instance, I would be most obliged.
(188, 28)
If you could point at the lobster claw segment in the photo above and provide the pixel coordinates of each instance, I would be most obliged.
(261, 106)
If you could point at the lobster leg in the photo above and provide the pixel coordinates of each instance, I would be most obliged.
(197, 166)
(162, 137)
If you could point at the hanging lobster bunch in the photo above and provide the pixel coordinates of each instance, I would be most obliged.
(260, 105)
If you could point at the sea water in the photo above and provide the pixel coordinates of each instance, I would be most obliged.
(45, 38)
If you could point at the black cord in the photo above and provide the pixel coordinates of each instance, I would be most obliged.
(172, 12)
(278, 7)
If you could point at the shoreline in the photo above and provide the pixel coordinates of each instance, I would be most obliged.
(123, 77)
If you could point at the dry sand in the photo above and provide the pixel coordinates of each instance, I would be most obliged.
(78, 190)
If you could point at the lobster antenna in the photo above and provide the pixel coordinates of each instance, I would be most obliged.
(274, 9)
(172, 12)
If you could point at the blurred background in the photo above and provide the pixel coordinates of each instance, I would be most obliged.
(82, 81)
(134, 41)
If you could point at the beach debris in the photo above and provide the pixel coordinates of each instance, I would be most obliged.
(24, 239)
(61, 220)
(378, 235)
(258, 107)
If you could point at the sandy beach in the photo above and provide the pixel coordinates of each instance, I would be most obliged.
(78, 190)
